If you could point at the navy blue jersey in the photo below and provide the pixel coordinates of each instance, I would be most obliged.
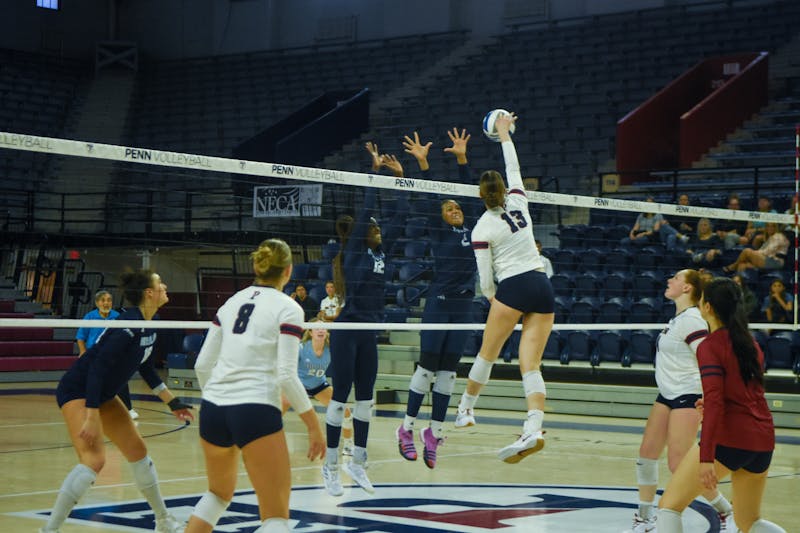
(365, 269)
(454, 262)
(106, 367)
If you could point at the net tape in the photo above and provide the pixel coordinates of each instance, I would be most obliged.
(148, 156)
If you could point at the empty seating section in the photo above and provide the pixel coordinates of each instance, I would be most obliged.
(25, 349)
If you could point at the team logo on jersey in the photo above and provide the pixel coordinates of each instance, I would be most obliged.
(406, 508)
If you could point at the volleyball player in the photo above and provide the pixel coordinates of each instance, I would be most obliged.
(312, 365)
(448, 300)
(673, 419)
(738, 435)
(360, 276)
(505, 249)
(87, 396)
(249, 357)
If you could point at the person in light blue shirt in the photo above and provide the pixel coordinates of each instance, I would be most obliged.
(312, 368)
(87, 337)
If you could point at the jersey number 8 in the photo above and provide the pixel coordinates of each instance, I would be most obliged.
(243, 318)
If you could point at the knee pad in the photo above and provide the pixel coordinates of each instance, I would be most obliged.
(210, 508)
(362, 410)
(646, 471)
(445, 381)
(334, 414)
(421, 380)
(480, 371)
(669, 521)
(765, 526)
(144, 473)
(533, 382)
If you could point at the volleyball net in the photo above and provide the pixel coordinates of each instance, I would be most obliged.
(194, 219)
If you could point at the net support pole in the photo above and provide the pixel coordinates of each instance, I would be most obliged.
(796, 211)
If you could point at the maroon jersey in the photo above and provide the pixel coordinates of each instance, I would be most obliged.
(735, 413)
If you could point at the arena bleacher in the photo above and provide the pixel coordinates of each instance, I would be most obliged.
(568, 80)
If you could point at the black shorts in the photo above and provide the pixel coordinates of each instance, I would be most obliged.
(316, 390)
(239, 425)
(735, 458)
(684, 401)
(529, 292)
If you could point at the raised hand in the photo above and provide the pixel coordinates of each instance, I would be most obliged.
(417, 149)
(391, 162)
(503, 124)
(372, 148)
(459, 148)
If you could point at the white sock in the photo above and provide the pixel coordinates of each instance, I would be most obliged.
(144, 473)
(669, 521)
(721, 504)
(332, 457)
(438, 429)
(467, 402)
(408, 423)
(646, 510)
(75, 485)
(534, 422)
(274, 525)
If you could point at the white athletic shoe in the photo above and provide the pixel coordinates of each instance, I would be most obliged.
(330, 475)
(465, 418)
(359, 475)
(527, 444)
(134, 414)
(641, 525)
(169, 524)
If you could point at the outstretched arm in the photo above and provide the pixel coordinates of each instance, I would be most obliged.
(513, 175)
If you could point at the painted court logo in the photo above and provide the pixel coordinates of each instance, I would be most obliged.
(426, 508)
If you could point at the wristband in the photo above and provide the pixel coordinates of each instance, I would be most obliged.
(176, 404)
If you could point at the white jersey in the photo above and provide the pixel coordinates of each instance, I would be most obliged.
(676, 360)
(250, 353)
(503, 239)
(329, 305)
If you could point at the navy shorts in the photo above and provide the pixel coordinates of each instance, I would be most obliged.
(684, 401)
(442, 349)
(228, 425)
(529, 292)
(736, 458)
(316, 390)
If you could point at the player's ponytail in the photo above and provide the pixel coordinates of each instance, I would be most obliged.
(725, 299)
(270, 259)
(492, 189)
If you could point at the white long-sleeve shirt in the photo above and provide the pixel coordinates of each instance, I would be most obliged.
(250, 353)
(503, 239)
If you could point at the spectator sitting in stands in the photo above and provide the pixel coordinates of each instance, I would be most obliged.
(705, 247)
(749, 301)
(769, 257)
(756, 228)
(645, 229)
(310, 305)
(790, 211)
(677, 229)
(779, 304)
(732, 232)
(330, 307)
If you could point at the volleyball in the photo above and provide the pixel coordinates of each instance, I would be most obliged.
(488, 124)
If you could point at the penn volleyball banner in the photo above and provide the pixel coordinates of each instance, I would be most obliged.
(287, 201)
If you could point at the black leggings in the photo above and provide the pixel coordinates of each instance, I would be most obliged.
(354, 362)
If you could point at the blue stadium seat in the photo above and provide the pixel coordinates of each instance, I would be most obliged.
(300, 271)
(645, 311)
(416, 227)
(588, 283)
(416, 249)
(613, 311)
(578, 347)
(563, 283)
(610, 347)
(317, 292)
(413, 271)
(552, 350)
(571, 237)
(780, 351)
(582, 311)
(564, 260)
(330, 250)
(325, 272)
(618, 284)
(408, 296)
(647, 283)
(563, 304)
(591, 259)
(640, 349)
(618, 259)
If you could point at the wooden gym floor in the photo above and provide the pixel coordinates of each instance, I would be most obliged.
(583, 480)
